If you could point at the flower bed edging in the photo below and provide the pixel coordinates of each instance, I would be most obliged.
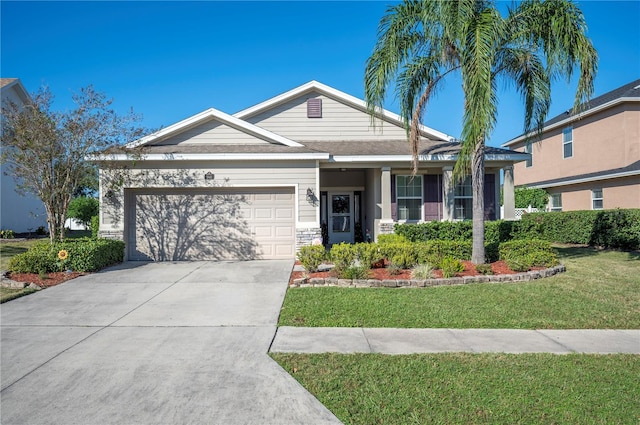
(315, 282)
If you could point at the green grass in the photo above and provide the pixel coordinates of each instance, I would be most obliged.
(601, 290)
(9, 248)
(7, 294)
(472, 388)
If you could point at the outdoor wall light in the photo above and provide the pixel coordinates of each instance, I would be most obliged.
(311, 197)
(209, 176)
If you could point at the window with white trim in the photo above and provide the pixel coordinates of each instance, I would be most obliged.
(463, 200)
(409, 197)
(527, 149)
(567, 142)
(596, 199)
(555, 202)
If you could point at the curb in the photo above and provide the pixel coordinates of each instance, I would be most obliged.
(315, 282)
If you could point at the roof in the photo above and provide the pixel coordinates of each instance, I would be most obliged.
(16, 84)
(629, 92)
(629, 170)
(6, 81)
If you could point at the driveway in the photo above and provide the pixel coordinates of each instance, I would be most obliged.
(153, 343)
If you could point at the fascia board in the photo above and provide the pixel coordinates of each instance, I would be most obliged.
(574, 118)
(403, 158)
(220, 116)
(586, 180)
(337, 94)
(210, 157)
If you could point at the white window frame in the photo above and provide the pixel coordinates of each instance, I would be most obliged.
(594, 199)
(398, 197)
(555, 206)
(527, 149)
(567, 131)
(466, 215)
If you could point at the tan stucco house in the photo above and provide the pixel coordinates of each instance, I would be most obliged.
(587, 161)
(20, 212)
(301, 167)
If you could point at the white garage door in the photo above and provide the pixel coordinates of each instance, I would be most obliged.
(210, 224)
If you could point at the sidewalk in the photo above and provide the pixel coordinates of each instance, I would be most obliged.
(408, 341)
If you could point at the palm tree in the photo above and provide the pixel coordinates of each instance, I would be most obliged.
(422, 42)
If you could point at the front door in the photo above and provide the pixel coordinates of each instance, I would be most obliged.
(341, 217)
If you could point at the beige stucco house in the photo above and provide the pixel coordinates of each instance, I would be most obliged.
(590, 160)
(20, 212)
(301, 167)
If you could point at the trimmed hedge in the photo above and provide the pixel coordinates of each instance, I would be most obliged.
(521, 255)
(619, 228)
(95, 226)
(84, 255)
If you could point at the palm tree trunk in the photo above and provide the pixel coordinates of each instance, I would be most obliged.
(477, 183)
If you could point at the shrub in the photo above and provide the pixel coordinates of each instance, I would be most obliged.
(95, 226)
(394, 269)
(355, 272)
(402, 255)
(342, 256)
(368, 254)
(484, 269)
(521, 255)
(311, 256)
(562, 227)
(617, 229)
(41, 231)
(83, 208)
(84, 255)
(7, 234)
(450, 266)
(422, 271)
(391, 238)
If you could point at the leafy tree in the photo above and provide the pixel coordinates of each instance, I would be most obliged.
(537, 198)
(421, 42)
(45, 150)
(83, 208)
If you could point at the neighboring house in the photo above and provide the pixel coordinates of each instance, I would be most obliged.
(304, 165)
(18, 212)
(590, 160)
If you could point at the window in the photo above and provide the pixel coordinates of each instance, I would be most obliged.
(567, 142)
(409, 197)
(527, 149)
(555, 202)
(463, 201)
(596, 199)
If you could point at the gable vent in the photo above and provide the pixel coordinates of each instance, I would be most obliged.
(314, 108)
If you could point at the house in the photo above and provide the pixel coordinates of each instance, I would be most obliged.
(306, 166)
(590, 160)
(20, 212)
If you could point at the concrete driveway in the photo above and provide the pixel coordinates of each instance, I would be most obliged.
(153, 343)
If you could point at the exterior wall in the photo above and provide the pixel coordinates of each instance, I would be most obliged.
(298, 174)
(616, 193)
(339, 122)
(212, 132)
(20, 213)
(603, 141)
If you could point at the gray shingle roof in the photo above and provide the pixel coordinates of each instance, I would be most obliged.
(635, 167)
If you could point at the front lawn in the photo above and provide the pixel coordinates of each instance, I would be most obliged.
(600, 290)
(472, 388)
(8, 294)
(9, 248)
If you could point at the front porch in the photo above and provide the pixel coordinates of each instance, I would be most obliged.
(358, 204)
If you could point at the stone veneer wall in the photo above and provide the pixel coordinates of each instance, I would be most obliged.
(307, 236)
(385, 228)
(111, 234)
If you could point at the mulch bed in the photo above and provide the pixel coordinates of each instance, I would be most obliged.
(50, 279)
(382, 273)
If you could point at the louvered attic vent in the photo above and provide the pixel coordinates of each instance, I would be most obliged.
(314, 108)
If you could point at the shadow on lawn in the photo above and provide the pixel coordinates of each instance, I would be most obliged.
(571, 252)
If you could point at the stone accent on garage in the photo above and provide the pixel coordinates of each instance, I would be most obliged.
(111, 234)
(307, 236)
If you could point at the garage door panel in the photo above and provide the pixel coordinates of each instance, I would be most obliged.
(184, 224)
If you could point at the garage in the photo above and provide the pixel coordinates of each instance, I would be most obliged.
(210, 224)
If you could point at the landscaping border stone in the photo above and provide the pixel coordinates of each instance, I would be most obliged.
(315, 282)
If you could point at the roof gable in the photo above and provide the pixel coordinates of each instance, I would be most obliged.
(162, 137)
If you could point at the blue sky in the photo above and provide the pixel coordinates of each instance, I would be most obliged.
(171, 60)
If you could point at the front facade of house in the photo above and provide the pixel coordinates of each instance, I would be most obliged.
(308, 166)
(590, 161)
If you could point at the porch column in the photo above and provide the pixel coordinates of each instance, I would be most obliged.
(385, 189)
(508, 194)
(448, 193)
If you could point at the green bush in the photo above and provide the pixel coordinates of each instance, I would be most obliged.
(402, 255)
(7, 234)
(368, 254)
(617, 229)
(450, 266)
(311, 256)
(95, 226)
(355, 272)
(83, 208)
(422, 271)
(521, 255)
(84, 255)
(484, 269)
(342, 256)
(391, 238)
